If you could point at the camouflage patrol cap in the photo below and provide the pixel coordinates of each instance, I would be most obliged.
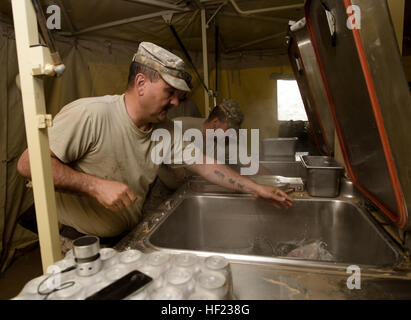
(232, 112)
(188, 78)
(168, 65)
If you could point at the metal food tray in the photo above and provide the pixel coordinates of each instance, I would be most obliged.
(323, 176)
(279, 146)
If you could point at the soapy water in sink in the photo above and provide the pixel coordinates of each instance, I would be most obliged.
(301, 249)
(309, 250)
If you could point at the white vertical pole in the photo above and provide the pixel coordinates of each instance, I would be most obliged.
(26, 32)
(205, 61)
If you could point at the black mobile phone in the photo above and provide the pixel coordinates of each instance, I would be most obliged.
(123, 287)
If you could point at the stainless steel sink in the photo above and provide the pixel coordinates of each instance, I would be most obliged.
(239, 224)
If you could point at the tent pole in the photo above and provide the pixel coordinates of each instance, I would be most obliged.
(36, 60)
(205, 62)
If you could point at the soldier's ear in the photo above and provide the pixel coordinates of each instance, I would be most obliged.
(140, 83)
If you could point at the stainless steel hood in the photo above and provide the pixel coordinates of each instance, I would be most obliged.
(369, 97)
(308, 76)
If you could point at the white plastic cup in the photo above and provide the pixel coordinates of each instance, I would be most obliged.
(187, 261)
(217, 264)
(221, 265)
(212, 283)
(31, 288)
(155, 284)
(60, 266)
(130, 256)
(155, 264)
(90, 281)
(181, 279)
(133, 259)
(69, 255)
(158, 259)
(116, 272)
(167, 293)
(109, 257)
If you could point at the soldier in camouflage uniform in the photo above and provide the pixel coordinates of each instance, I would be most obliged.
(226, 115)
(101, 150)
(233, 114)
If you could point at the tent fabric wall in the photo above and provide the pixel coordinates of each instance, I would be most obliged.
(15, 198)
(256, 93)
(93, 68)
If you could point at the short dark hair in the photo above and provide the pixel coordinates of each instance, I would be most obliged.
(136, 68)
(217, 113)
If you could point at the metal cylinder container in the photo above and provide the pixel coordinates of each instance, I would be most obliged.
(86, 253)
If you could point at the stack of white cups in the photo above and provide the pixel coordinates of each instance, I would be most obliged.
(214, 280)
(175, 277)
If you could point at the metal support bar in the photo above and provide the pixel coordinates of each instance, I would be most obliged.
(270, 9)
(56, 67)
(205, 62)
(188, 57)
(256, 17)
(215, 13)
(122, 21)
(160, 4)
(244, 45)
(43, 26)
(30, 58)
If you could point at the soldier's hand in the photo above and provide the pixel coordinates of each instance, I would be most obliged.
(114, 195)
(275, 196)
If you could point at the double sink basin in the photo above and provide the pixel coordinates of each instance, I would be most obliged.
(314, 234)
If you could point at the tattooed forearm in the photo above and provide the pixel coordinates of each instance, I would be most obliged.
(231, 181)
(218, 173)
